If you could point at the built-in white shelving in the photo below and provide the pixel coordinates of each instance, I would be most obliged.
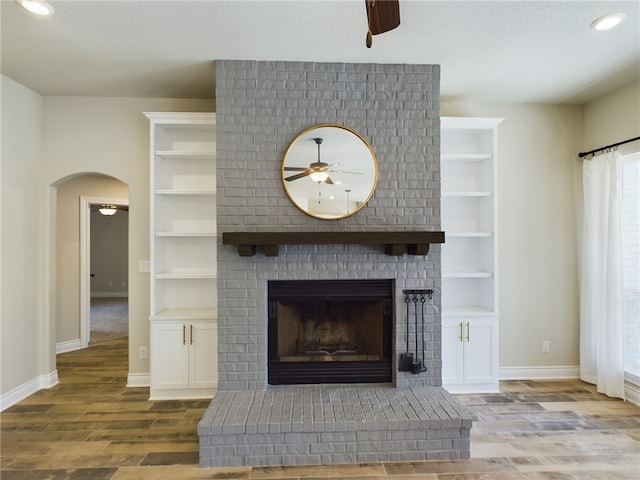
(183, 288)
(466, 194)
(464, 157)
(469, 256)
(469, 312)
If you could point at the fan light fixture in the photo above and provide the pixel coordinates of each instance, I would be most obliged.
(108, 210)
(39, 7)
(608, 21)
(319, 176)
(320, 173)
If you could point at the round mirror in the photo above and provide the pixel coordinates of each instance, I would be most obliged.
(329, 171)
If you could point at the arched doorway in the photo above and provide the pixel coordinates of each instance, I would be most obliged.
(74, 197)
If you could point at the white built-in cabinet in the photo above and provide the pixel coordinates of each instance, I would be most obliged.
(470, 254)
(183, 363)
(183, 291)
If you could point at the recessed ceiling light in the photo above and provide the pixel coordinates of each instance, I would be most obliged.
(39, 7)
(608, 21)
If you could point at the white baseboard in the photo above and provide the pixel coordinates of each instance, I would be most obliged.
(138, 380)
(539, 373)
(632, 393)
(631, 389)
(68, 346)
(183, 394)
(23, 391)
(109, 294)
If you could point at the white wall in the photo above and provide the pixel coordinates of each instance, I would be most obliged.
(538, 190)
(110, 136)
(25, 356)
(613, 118)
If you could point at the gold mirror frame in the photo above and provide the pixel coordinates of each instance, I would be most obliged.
(343, 157)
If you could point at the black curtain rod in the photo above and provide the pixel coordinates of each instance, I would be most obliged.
(584, 154)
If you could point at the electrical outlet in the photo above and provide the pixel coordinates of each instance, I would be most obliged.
(546, 346)
(143, 353)
(144, 266)
(110, 283)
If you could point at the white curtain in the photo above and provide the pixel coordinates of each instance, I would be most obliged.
(601, 325)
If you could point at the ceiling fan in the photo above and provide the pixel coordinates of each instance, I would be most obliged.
(317, 171)
(382, 16)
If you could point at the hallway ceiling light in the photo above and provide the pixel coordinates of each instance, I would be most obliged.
(39, 7)
(108, 210)
(608, 21)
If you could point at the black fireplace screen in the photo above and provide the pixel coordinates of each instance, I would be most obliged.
(337, 331)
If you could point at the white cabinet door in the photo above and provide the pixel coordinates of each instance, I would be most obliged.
(480, 351)
(169, 355)
(203, 355)
(452, 352)
(184, 358)
(470, 354)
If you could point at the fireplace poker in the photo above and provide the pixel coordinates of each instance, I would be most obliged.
(416, 366)
(406, 358)
(424, 346)
(409, 363)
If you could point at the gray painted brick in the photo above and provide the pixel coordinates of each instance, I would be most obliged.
(360, 407)
(261, 107)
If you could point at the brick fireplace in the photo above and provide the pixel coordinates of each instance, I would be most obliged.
(261, 107)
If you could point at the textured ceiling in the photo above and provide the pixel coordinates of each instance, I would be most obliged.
(512, 51)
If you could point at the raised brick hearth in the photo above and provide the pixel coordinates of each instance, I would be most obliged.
(323, 425)
(262, 107)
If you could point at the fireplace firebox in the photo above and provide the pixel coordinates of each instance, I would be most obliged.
(330, 331)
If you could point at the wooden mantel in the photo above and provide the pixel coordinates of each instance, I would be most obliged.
(395, 243)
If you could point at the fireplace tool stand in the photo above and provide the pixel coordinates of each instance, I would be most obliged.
(413, 361)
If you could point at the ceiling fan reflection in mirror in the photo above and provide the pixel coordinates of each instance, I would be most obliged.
(346, 163)
(317, 171)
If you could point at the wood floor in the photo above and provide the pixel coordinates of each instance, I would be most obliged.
(91, 427)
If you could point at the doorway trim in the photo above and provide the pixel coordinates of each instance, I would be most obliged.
(85, 260)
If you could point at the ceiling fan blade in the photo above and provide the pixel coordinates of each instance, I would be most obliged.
(295, 169)
(299, 175)
(329, 181)
(383, 15)
(352, 173)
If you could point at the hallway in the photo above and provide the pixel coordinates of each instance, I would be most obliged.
(109, 318)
